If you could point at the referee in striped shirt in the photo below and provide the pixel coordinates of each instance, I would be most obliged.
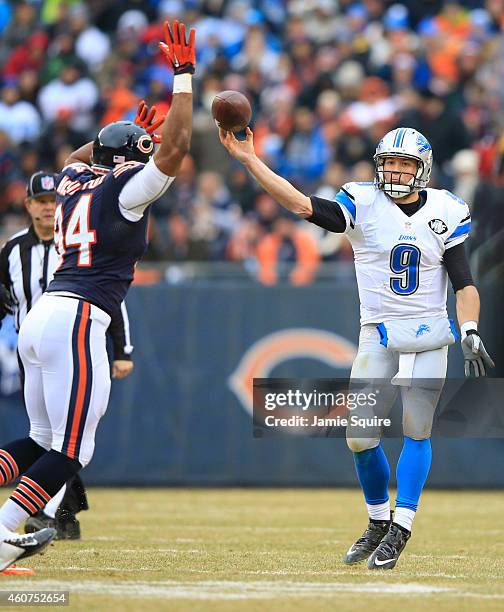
(27, 264)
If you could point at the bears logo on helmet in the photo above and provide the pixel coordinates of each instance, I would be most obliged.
(121, 140)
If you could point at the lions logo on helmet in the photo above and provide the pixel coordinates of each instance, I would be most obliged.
(404, 142)
(423, 144)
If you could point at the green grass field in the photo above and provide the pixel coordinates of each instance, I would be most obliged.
(251, 549)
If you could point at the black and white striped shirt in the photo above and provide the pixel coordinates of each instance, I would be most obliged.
(27, 266)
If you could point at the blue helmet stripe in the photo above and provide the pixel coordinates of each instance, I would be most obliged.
(399, 137)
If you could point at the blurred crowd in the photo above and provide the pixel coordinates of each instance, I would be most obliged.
(326, 79)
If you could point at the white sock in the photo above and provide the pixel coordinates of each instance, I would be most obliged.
(404, 517)
(4, 533)
(379, 512)
(53, 505)
(11, 515)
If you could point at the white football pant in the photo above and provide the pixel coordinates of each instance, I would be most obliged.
(67, 374)
(376, 362)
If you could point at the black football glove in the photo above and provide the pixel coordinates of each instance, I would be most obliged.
(475, 354)
(6, 302)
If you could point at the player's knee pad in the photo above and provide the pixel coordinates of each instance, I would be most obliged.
(85, 458)
(357, 445)
(42, 436)
(418, 426)
(81, 452)
(418, 436)
(419, 406)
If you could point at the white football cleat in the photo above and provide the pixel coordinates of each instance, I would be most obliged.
(17, 546)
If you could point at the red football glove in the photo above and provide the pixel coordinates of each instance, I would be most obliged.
(145, 119)
(179, 53)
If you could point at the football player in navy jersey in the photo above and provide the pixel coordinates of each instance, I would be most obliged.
(102, 208)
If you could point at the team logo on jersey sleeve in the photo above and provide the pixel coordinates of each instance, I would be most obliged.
(438, 226)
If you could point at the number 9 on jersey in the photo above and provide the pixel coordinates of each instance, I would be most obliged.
(405, 261)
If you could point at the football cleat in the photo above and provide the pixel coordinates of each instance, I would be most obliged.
(388, 551)
(367, 543)
(17, 546)
(38, 521)
(67, 525)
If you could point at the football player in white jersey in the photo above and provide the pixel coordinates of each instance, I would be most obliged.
(407, 241)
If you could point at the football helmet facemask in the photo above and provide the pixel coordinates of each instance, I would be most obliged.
(404, 142)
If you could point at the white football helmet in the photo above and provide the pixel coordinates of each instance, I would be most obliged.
(404, 142)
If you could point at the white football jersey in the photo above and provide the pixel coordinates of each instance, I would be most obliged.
(399, 259)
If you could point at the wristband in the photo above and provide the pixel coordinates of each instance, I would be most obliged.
(182, 83)
(467, 326)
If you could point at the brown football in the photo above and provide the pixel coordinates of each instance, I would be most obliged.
(231, 111)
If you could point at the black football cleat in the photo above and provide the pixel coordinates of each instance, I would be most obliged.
(67, 525)
(18, 546)
(367, 543)
(38, 521)
(388, 551)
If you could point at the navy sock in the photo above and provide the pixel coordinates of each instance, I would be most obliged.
(374, 473)
(412, 470)
(38, 485)
(53, 470)
(16, 457)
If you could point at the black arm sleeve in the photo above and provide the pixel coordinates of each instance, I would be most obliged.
(118, 335)
(4, 268)
(328, 215)
(457, 266)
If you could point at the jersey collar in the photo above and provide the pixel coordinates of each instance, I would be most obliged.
(100, 170)
(419, 214)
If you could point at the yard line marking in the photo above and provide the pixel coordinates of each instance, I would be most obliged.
(238, 590)
(230, 590)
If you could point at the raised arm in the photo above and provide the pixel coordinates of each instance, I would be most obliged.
(177, 127)
(81, 155)
(279, 188)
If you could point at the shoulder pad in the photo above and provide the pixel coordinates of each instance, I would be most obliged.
(363, 193)
(77, 167)
(454, 197)
(129, 165)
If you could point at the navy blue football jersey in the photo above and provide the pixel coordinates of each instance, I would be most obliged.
(98, 247)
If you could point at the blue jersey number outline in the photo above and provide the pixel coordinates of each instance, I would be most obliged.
(405, 260)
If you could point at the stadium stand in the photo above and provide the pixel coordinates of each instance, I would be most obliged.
(326, 79)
